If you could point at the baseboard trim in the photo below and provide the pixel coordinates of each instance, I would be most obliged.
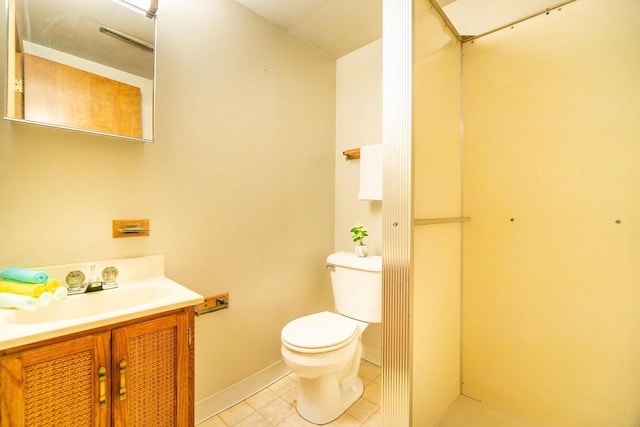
(371, 354)
(224, 399)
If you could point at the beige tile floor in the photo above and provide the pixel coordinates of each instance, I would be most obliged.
(275, 406)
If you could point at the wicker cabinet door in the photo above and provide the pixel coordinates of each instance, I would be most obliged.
(150, 369)
(62, 384)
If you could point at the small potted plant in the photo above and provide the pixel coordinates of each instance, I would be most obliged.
(358, 233)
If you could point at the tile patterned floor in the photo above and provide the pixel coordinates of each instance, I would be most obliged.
(275, 406)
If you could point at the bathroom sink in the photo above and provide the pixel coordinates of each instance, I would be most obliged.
(143, 291)
(92, 304)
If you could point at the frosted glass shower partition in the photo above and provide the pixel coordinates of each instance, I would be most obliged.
(421, 352)
(438, 217)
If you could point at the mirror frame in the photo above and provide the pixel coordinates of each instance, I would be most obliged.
(10, 8)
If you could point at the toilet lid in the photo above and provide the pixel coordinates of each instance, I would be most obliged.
(319, 332)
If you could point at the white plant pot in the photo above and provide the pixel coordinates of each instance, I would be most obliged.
(362, 250)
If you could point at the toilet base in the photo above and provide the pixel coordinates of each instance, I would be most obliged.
(322, 400)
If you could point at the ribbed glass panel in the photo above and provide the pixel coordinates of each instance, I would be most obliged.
(397, 211)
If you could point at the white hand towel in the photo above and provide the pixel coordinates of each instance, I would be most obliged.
(8, 300)
(59, 294)
(370, 172)
(45, 299)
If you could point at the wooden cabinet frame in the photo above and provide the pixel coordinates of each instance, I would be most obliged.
(138, 373)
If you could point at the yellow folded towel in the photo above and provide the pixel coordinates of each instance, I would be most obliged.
(52, 285)
(23, 288)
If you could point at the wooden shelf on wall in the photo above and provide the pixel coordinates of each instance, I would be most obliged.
(351, 154)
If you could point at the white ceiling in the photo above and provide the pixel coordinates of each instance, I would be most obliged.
(338, 27)
(475, 17)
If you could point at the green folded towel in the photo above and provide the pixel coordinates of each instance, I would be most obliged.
(23, 275)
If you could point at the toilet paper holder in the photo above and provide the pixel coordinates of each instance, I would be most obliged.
(212, 303)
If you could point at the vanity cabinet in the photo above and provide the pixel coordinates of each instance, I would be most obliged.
(138, 374)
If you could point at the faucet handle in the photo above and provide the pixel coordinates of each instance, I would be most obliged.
(109, 275)
(75, 282)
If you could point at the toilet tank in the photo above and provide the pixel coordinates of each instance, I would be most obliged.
(357, 285)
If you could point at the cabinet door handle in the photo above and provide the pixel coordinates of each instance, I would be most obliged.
(102, 386)
(123, 388)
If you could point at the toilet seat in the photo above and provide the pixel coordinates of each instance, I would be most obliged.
(319, 332)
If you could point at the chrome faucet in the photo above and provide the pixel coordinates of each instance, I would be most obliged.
(77, 285)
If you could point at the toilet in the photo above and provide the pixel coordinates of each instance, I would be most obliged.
(324, 349)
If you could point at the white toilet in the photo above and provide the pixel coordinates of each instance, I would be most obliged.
(324, 349)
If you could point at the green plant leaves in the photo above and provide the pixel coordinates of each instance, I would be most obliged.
(358, 233)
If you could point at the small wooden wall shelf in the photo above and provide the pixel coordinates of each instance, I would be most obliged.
(130, 228)
(351, 154)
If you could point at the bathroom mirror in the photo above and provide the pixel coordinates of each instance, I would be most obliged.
(86, 65)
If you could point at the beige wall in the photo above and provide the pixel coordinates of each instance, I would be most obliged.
(239, 186)
(552, 297)
(358, 123)
(437, 248)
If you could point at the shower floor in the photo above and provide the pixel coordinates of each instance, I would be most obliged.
(468, 412)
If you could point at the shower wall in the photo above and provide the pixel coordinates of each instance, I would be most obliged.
(436, 194)
(551, 318)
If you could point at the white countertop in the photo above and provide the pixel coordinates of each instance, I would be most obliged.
(142, 290)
